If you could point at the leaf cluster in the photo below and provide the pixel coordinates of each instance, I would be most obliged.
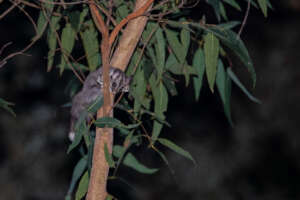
(173, 44)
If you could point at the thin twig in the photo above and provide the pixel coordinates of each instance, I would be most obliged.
(143, 49)
(245, 19)
(64, 3)
(30, 4)
(4, 46)
(27, 15)
(8, 10)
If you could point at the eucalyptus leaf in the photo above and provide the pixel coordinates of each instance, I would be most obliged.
(215, 4)
(7, 106)
(132, 162)
(235, 79)
(263, 6)
(77, 173)
(232, 41)
(82, 187)
(199, 66)
(223, 83)
(91, 45)
(108, 157)
(176, 148)
(234, 4)
(211, 52)
(160, 95)
(175, 45)
(51, 40)
(160, 47)
(67, 42)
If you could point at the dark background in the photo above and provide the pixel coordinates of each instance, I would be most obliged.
(257, 159)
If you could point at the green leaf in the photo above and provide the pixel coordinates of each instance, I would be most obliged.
(51, 40)
(108, 157)
(113, 123)
(108, 122)
(223, 83)
(96, 105)
(138, 90)
(185, 40)
(77, 173)
(80, 130)
(229, 25)
(132, 162)
(160, 95)
(199, 66)
(83, 186)
(175, 45)
(122, 11)
(223, 11)
(91, 46)
(151, 53)
(171, 61)
(170, 84)
(263, 6)
(160, 47)
(176, 148)
(43, 19)
(6, 106)
(67, 41)
(215, 4)
(74, 18)
(211, 52)
(235, 79)
(163, 157)
(232, 41)
(234, 4)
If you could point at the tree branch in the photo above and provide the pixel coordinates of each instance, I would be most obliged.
(133, 31)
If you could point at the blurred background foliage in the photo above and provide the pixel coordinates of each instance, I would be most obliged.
(256, 159)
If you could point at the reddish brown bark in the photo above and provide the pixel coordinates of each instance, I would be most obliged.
(121, 57)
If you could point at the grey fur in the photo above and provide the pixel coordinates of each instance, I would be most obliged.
(92, 89)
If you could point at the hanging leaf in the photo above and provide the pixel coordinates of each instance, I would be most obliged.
(234, 4)
(160, 95)
(91, 45)
(170, 84)
(216, 6)
(108, 157)
(51, 40)
(83, 186)
(131, 161)
(160, 47)
(7, 106)
(138, 90)
(232, 41)
(43, 19)
(77, 173)
(223, 11)
(235, 79)
(67, 41)
(263, 6)
(80, 129)
(199, 66)
(211, 52)
(223, 83)
(176, 148)
(185, 40)
(175, 45)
